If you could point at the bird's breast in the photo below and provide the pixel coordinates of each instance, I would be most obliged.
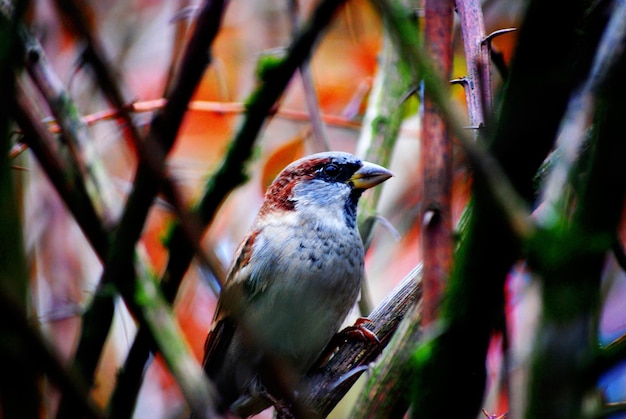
(315, 275)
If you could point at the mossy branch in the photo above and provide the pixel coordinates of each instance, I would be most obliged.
(230, 174)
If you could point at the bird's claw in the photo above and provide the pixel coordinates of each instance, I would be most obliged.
(357, 331)
(360, 332)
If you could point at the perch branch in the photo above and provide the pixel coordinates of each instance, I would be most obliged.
(324, 387)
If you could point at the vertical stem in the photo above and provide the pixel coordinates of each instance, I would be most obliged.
(477, 60)
(20, 394)
(377, 140)
(571, 288)
(436, 160)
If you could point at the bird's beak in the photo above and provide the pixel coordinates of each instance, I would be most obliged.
(369, 175)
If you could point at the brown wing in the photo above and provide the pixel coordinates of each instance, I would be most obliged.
(230, 301)
(216, 344)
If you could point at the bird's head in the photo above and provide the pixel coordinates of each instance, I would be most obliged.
(323, 183)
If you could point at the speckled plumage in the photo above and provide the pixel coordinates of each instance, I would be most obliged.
(295, 277)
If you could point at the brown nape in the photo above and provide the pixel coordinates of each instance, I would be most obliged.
(279, 194)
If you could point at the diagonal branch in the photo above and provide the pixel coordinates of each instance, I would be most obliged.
(67, 379)
(141, 294)
(230, 174)
(324, 387)
(69, 186)
(73, 129)
(579, 113)
(76, 14)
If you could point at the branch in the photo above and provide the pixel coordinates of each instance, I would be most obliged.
(230, 174)
(611, 355)
(377, 139)
(448, 368)
(320, 136)
(82, 154)
(324, 387)
(436, 162)
(385, 393)
(579, 114)
(69, 186)
(76, 17)
(572, 276)
(477, 60)
(141, 294)
(44, 355)
(20, 394)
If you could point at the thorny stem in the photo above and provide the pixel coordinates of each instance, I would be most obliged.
(477, 58)
(483, 162)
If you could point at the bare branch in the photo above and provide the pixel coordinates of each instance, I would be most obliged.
(320, 136)
(324, 387)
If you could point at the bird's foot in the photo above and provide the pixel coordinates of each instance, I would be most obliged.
(359, 331)
(283, 408)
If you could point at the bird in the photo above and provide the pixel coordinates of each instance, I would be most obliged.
(294, 279)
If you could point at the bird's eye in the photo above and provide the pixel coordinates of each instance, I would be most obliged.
(331, 170)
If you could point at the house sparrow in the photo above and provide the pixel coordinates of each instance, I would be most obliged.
(293, 281)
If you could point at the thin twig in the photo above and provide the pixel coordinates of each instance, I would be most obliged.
(73, 129)
(76, 17)
(221, 108)
(320, 136)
